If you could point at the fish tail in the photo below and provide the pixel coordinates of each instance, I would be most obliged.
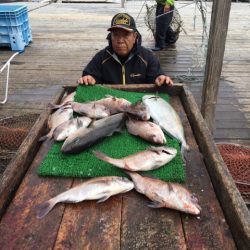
(184, 149)
(47, 137)
(103, 157)
(44, 208)
(54, 106)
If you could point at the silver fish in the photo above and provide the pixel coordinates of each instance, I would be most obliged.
(147, 130)
(166, 194)
(60, 116)
(152, 158)
(114, 104)
(69, 127)
(166, 117)
(100, 188)
(86, 137)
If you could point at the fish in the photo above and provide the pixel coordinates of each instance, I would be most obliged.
(166, 194)
(58, 117)
(65, 101)
(86, 137)
(139, 111)
(152, 158)
(166, 117)
(100, 188)
(65, 129)
(114, 104)
(92, 110)
(147, 130)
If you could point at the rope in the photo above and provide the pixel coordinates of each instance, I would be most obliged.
(7, 64)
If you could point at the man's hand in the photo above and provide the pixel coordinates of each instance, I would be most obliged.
(87, 80)
(162, 79)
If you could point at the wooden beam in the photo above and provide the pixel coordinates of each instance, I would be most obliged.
(215, 54)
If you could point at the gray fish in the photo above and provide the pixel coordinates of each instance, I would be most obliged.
(166, 194)
(69, 127)
(60, 116)
(166, 117)
(152, 158)
(86, 137)
(100, 188)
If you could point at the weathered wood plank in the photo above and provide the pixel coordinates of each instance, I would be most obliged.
(147, 228)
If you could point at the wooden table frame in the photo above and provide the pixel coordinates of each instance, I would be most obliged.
(124, 221)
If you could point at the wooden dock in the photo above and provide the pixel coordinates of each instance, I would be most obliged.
(66, 36)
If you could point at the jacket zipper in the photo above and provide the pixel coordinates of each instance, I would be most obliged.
(123, 75)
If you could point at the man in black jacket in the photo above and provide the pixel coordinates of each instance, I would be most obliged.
(124, 61)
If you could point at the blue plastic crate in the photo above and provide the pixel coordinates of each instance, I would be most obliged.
(15, 30)
(13, 40)
(13, 15)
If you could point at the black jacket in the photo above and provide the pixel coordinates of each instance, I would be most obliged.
(140, 67)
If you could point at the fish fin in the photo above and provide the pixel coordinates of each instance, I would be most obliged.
(101, 156)
(185, 149)
(44, 209)
(104, 198)
(155, 204)
(43, 138)
(155, 149)
(126, 166)
(110, 96)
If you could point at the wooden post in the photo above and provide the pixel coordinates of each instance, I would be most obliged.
(214, 61)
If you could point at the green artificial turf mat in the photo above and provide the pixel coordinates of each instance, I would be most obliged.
(119, 145)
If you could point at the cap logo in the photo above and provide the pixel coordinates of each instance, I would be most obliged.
(121, 19)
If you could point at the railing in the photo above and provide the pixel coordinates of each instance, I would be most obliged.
(7, 64)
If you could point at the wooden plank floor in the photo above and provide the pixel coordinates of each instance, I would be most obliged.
(66, 36)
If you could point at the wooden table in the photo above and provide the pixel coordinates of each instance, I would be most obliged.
(123, 221)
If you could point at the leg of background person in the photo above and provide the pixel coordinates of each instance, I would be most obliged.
(162, 24)
(169, 31)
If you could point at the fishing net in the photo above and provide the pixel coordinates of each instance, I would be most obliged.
(13, 130)
(237, 159)
(176, 25)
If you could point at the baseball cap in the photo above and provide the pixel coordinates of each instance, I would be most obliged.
(123, 21)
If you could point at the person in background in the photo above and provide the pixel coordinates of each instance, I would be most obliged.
(124, 60)
(164, 15)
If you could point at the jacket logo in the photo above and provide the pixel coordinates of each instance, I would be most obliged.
(135, 75)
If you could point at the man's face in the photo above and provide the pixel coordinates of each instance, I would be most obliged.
(122, 41)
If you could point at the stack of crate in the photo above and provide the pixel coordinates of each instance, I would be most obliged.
(15, 31)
